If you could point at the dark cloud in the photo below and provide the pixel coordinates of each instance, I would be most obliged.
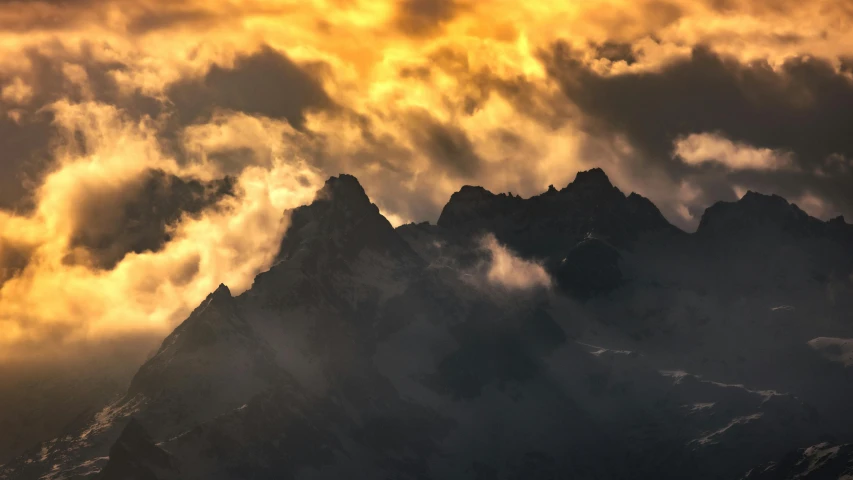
(50, 82)
(447, 146)
(264, 83)
(136, 217)
(23, 156)
(29, 18)
(13, 259)
(779, 7)
(140, 17)
(531, 99)
(805, 106)
(422, 17)
(662, 13)
(155, 19)
(616, 52)
(846, 64)
(26, 129)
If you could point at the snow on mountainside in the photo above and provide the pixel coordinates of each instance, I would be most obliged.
(817, 462)
(378, 352)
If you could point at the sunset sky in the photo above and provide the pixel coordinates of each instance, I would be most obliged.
(148, 149)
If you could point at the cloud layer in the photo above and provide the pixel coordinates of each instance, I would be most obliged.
(508, 270)
(150, 147)
(124, 240)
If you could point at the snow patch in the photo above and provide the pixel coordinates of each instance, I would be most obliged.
(713, 437)
(839, 350)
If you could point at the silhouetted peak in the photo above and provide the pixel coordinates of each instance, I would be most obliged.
(344, 190)
(752, 210)
(475, 204)
(767, 201)
(471, 192)
(340, 203)
(340, 220)
(344, 180)
(547, 223)
(593, 177)
(766, 205)
(222, 291)
(220, 297)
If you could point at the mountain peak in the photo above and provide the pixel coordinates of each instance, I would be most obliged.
(476, 204)
(472, 192)
(550, 224)
(757, 198)
(340, 221)
(592, 177)
(222, 290)
(752, 210)
(344, 189)
(221, 297)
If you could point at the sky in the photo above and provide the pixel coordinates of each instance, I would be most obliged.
(150, 149)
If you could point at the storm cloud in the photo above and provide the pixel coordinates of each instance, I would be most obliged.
(137, 216)
(150, 148)
(797, 115)
(263, 83)
(421, 17)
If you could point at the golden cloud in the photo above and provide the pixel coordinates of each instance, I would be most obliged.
(52, 300)
(414, 97)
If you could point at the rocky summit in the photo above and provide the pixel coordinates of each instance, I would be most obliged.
(574, 334)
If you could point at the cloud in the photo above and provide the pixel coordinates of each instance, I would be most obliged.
(422, 17)
(699, 148)
(805, 100)
(49, 302)
(448, 146)
(781, 121)
(813, 205)
(137, 216)
(263, 83)
(16, 92)
(511, 272)
(113, 107)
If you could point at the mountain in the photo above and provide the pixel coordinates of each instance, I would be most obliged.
(574, 334)
(821, 461)
(757, 211)
(134, 456)
(550, 224)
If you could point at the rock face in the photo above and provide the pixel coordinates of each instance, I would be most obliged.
(589, 269)
(209, 364)
(134, 456)
(340, 224)
(757, 211)
(395, 354)
(550, 224)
